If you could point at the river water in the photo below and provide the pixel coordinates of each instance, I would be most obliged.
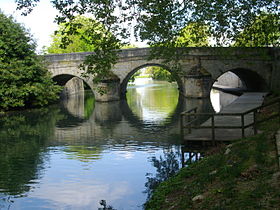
(74, 154)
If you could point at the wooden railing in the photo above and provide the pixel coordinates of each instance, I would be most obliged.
(190, 117)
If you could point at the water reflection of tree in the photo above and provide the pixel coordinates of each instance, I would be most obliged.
(104, 205)
(5, 201)
(166, 166)
(86, 154)
(23, 137)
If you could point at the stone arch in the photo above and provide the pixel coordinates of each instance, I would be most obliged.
(62, 79)
(123, 85)
(250, 79)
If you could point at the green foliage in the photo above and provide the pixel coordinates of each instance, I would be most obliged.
(83, 153)
(240, 180)
(23, 138)
(193, 35)
(65, 41)
(136, 74)
(264, 31)
(161, 21)
(159, 73)
(89, 104)
(167, 166)
(128, 46)
(245, 178)
(24, 80)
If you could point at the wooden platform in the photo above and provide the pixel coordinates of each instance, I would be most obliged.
(242, 104)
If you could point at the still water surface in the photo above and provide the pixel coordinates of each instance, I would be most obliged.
(72, 155)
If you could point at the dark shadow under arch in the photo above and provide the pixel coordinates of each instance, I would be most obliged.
(62, 79)
(124, 83)
(251, 80)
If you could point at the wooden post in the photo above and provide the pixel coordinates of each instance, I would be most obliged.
(189, 124)
(279, 109)
(183, 157)
(242, 125)
(182, 126)
(213, 128)
(255, 122)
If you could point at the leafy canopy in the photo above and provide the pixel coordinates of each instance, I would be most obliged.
(84, 39)
(159, 22)
(159, 73)
(193, 35)
(24, 81)
(263, 32)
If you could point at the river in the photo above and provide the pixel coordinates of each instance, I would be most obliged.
(74, 154)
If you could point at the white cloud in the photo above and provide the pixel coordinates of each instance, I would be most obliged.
(81, 195)
(124, 155)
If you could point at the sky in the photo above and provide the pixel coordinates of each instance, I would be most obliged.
(40, 21)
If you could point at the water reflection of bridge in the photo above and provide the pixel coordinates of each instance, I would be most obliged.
(115, 121)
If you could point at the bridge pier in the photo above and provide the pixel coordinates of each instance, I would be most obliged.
(74, 85)
(197, 83)
(107, 90)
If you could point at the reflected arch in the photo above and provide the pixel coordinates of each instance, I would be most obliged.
(202, 105)
(124, 83)
(136, 122)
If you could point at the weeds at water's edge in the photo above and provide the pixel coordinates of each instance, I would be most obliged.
(246, 178)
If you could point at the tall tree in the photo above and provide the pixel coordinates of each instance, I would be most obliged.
(66, 41)
(76, 42)
(264, 31)
(81, 39)
(23, 78)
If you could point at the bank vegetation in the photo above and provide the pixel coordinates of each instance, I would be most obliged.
(241, 175)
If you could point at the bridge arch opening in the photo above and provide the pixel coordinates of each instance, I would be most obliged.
(161, 68)
(233, 83)
(151, 93)
(72, 84)
(246, 79)
(77, 97)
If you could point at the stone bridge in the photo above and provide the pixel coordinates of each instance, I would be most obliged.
(258, 69)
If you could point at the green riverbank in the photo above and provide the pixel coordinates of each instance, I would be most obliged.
(242, 175)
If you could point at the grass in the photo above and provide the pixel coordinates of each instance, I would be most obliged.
(246, 178)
